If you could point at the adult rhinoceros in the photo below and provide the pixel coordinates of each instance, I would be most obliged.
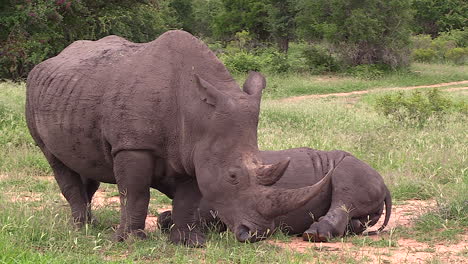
(164, 114)
(353, 201)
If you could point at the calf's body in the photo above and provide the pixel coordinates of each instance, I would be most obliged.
(353, 200)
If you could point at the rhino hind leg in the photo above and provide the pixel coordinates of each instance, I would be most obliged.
(73, 189)
(357, 225)
(133, 171)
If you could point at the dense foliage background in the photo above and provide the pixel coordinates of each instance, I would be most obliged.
(332, 35)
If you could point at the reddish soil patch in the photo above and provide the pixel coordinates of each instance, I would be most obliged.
(405, 251)
(101, 199)
(312, 96)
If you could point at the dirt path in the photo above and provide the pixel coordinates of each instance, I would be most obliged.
(383, 248)
(312, 96)
(402, 250)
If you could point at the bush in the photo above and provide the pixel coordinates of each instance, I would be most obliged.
(414, 109)
(279, 63)
(241, 61)
(424, 55)
(376, 31)
(368, 71)
(421, 41)
(319, 59)
(261, 59)
(458, 36)
(448, 47)
(32, 31)
(457, 55)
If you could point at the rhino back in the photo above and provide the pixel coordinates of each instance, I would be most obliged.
(99, 97)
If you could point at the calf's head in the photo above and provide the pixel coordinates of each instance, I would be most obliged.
(230, 172)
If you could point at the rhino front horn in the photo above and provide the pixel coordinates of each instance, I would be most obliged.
(269, 174)
(276, 202)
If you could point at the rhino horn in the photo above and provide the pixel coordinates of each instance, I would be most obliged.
(276, 202)
(269, 174)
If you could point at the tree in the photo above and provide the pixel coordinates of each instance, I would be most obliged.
(239, 15)
(362, 31)
(434, 16)
(32, 31)
(204, 13)
(184, 12)
(282, 22)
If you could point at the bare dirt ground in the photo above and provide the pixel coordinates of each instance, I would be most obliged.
(398, 250)
(101, 199)
(402, 250)
(312, 96)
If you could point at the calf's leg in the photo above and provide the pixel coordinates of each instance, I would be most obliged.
(357, 191)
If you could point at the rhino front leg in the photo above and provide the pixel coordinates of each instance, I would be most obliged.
(331, 225)
(186, 229)
(133, 171)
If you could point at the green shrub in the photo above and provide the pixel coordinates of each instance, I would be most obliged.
(319, 59)
(424, 55)
(413, 109)
(241, 62)
(441, 46)
(458, 36)
(368, 71)
(457, 55)
(362, 32)
(32, 31)
(421, 41)
(279, 63)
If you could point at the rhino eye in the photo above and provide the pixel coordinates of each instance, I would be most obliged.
(232, 178)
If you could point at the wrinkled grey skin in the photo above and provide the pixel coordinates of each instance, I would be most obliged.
(164, 114)
(352, 201)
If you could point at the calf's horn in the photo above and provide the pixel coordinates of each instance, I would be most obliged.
(275, 202)
(269, 174)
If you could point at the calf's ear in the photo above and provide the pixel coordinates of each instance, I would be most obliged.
(208, 93)
(254, 84)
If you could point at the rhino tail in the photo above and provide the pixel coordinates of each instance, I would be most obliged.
(388, 212)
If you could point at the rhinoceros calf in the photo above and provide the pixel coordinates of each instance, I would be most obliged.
(165, 114)
(352, 201)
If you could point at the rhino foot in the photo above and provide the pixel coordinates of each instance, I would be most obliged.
(318, 232)
(189, 238)
(165, 221)
(121, 235)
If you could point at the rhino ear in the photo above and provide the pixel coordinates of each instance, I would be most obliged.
(208, 93)
(254, 84)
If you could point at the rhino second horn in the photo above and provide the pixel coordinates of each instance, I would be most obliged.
(269, 174)
(276, 202)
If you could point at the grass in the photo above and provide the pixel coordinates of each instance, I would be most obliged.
(280, 86)
(416, 163)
